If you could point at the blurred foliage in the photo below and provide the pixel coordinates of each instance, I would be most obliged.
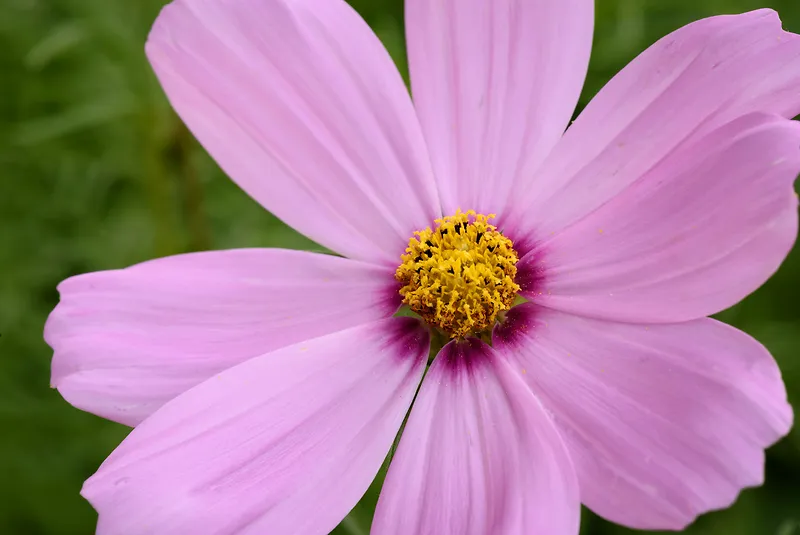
(96, 172)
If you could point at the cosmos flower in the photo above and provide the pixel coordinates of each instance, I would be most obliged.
(558, 281)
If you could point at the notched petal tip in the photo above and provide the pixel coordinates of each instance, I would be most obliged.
(160, 34)
(687, 84)
(696, 234)
(127, 341)
(769, 15)
(56, 331)
(703, 399)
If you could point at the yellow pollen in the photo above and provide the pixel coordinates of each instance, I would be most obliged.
(459, 276)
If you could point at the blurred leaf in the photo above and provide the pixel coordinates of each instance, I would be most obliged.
(789, 527)
(57, 43)
(81, 117)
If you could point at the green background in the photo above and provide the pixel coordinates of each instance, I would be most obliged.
(96, 172)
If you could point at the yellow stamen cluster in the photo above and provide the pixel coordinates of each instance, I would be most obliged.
(460, 276)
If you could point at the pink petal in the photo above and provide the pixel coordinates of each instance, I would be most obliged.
(301, 105)
(128, 341)
(478, 456)
(663, 422)
(284, 444)
(703, 229)
(683, 87)
(495, 83)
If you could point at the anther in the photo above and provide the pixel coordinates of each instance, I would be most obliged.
(464, 301)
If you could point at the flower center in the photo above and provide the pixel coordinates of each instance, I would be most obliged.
(460, 275)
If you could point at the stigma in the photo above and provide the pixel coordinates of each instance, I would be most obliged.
(459, 276)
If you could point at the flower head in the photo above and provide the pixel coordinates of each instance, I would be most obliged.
(568, 274)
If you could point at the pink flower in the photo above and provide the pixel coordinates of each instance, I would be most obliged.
(267, 386)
